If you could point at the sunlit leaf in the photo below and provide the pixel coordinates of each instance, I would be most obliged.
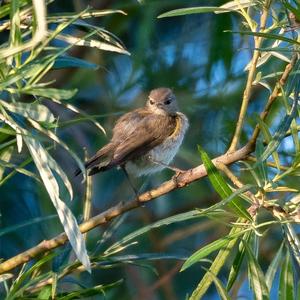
(51, 93)
(287, 289)
(256, 276)
(38, 112)
(41, 157)
(221, 186)
(192, 10)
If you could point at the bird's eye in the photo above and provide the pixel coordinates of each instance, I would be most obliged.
(151, 102)
(167, 102)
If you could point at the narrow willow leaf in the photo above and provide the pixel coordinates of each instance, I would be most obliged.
(55, 138)
(91, 43)
(4, 164)
(6, 276)
(268, 137)
(216, 266)
(41, 157)
(170, 220)
(58, 18)
(17, 286)
(261, 165)
(294, 131)
(78, 111)
(5, 155)
(221, 186)
(50, 93)
(274, 267)
(192, 10)
(206, 250)
(35, 111)
(286, 290)
(73, 62)
(236, 265)
(33, 221)
(237, 5)
(269, 36)
(87, 293)
(219, 285)
(256, 276)
(280, 133)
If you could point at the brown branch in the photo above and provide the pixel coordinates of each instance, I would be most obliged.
(179, 181)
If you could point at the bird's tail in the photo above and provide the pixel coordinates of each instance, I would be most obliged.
(99, 161)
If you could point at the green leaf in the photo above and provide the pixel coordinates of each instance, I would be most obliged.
(221, 187)
(170, 220)
(5, 155)
(206, 250)
(219, 285)
(33, 221)
(268, 137)
(45, 293)
(236, 265)
(35, 111)
(286, 283)
(267, 36)
(50, 92)
(192, 10)
(73, 62)
(280, 133)
(257, 280)
(216, 266)
(274, 266)
(89, 292)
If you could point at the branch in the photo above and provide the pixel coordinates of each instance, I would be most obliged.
(179, 181)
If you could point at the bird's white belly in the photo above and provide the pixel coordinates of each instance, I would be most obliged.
(163, 153)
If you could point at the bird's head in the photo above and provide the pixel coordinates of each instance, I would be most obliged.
(162, 101)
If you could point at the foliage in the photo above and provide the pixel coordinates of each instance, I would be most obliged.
(251, 241)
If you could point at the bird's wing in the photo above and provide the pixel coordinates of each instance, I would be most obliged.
(148, 131)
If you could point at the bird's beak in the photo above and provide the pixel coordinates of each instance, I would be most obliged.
(159, 105)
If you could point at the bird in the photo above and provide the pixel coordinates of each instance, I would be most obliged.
(145, 140)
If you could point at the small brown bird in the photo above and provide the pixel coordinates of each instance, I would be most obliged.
(144, 140)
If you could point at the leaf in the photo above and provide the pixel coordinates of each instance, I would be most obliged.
(280, 133)
(170, 220)
(33, 221)
(221, 187)
(238, 260)
(287, 289)
(219, 285)
(89, 292)
(268, 137)
(274, 267)
(41, 158)
(51, 93)
(38, 112)
(236, 5)
(206, 250)
(192, 10)
(216, 266)
(91, 43)
(5, 276)
(73, 62)
(5, 155)
(256, 276)
(267, 36)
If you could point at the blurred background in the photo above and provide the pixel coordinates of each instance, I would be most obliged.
(205, 67)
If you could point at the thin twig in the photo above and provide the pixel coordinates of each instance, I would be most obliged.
(250, 79)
